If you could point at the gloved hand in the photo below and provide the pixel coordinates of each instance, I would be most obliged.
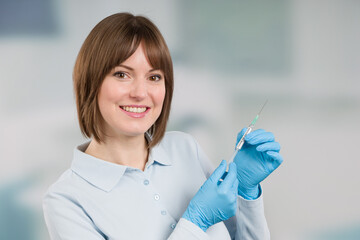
(215, 201)
(256, 160)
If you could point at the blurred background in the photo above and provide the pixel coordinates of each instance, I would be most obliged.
(229, 57)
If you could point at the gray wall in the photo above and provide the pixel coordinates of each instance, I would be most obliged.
(229, 58)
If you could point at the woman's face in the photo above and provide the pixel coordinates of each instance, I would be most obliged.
(131, 96)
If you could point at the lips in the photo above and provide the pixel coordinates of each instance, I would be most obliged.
(135, 111)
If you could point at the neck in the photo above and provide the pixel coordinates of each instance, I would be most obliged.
(128, 151)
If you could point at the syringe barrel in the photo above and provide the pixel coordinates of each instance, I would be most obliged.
(242, 140)
(233, 156)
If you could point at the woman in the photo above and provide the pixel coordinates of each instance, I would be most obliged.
(133, 180)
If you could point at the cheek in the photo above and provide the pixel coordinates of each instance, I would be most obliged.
(108, 95)
(110, 92)
(160, 96)
(103, 98)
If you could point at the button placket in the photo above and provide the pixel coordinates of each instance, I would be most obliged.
(157, 197)
(150, 188)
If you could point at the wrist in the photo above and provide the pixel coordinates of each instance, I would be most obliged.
(192, 217)
(250, 193)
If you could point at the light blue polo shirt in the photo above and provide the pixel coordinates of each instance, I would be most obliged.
(96, 199)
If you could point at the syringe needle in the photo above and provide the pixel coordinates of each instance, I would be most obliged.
(248, 130)
(262, 107)
(256, 117)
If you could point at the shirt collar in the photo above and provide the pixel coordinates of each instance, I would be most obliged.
(102, 174)
(159, 155)
(105, 175)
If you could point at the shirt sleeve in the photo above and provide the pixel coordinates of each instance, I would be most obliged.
(66, 219)
(249, 221)
(187, 230)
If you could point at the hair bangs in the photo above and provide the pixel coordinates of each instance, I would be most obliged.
(153, 50)
(124, 46)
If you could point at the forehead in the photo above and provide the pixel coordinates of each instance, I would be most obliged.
(138, 58)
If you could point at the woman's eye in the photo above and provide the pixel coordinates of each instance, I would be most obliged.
(155, 78)
(120, 74)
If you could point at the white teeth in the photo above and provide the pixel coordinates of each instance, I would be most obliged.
(134, 109)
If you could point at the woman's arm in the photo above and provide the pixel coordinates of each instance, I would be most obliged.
(66, 219)
(215, 202)
(249, 222)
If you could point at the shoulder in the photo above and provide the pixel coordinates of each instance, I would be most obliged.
(184, 153)
(178, 146)
(66, 188)
(177, 136)
(180, 140)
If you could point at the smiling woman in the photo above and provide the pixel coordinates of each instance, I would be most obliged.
(134, 181)
(103, 53)
(131, 97)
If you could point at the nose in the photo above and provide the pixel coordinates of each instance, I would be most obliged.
(138, 89)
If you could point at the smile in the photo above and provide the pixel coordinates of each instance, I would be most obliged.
(134, 109)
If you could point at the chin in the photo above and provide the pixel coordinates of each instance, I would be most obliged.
(133, 132)
(130, 130)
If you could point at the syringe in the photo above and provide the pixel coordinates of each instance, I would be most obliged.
(248, 130)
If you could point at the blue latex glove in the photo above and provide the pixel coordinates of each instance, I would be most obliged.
(256, 160)
(216, 200)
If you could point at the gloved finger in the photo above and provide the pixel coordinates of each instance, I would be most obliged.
(275, 156)
(230, 178)
(235, 186)
(240, 134)
(255, 138)
(269, 146)
(255, 132)
(218, 172)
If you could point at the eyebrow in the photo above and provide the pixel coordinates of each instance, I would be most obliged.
(127, 67)
(131, 69)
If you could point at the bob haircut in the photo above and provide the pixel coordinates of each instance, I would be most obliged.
(110, 43)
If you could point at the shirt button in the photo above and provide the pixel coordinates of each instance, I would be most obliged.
(156, 197)
(173, 226)
(146, 182)
(163, 212)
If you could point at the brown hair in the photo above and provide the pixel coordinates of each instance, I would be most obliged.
(110, 43)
